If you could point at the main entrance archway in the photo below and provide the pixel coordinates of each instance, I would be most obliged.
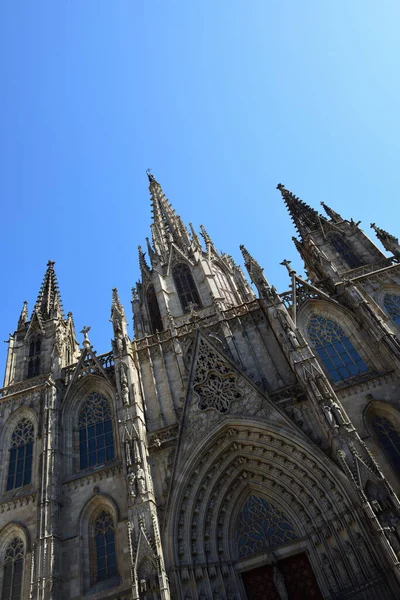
(292, 576)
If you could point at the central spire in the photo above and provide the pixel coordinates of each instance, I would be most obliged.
(167, 226)
(48, 302)
(304, 217)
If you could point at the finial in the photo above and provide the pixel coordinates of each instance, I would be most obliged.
(150, 175)
(86, 341)
(286, 263)
(205, 235)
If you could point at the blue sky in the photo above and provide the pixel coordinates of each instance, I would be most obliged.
(221, 99)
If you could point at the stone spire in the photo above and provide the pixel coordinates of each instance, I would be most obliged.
(304, 217)
(167, 226)
(389, 242)
(23, 316)
(336, 218)
(48, 304)
(256, 273)
(142, 261)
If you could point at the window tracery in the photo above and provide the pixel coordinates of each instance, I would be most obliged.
(154, 310)
(35, 347)
(262, 526)
(96, 442)
(391, 303)
(389, 439)
(185, 286)
(224, 286)
(106, 559)
(342, 247)
(13, 566)
(21, 451)
(336, 351)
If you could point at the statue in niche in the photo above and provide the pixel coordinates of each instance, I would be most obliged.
(131, 477)
(279, 583)
(141, 479)
(292, 337)
(124, 386)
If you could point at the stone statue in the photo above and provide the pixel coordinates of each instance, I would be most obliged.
(86, 341)
(141, 479)
(131, 477)
(292, 337)
(328, 572)
(279, 583)
(338, 413)
(124, 385)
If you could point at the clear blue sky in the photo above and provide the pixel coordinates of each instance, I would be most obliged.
(221, 99)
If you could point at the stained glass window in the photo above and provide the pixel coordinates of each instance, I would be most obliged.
(262, 526)
(13, 564)
(20, 463)
(225, 288)
(154, 310)
(392, 306)
(185, 286)
(389, 439)
(96, 441)
(342, 247)
(106, 560)
(34, 357)
(338, 354)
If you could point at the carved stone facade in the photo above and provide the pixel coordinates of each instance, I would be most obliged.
(239, 446)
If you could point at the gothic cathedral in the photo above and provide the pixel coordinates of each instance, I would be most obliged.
(241, 446)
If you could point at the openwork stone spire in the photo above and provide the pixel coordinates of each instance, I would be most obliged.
(48, 304)
(389, 241)
(167, 226)
(304, 217)
(331, 213)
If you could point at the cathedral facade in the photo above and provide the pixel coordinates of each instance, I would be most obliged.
(241, 446)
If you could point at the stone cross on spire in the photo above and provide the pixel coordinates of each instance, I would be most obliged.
(86, 342)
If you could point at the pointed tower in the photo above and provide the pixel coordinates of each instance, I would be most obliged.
(330, 247)
(45, 343)
(179, 276)
(389, 242)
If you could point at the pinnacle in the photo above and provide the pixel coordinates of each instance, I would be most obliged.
(48, 302)
(303, 216)
(331, 213)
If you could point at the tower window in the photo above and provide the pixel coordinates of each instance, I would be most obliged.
(154, 310)
(391, 303)
(20, 464)
(96, 443)
(106, 559)
(185, 286)
(224, 286)
(334, 348)
(389, 439)
(34, 357)
(13, 565)
(346, 253)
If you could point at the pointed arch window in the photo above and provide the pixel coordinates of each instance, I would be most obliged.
(389, 439)
(13, 566)
(334, 348)
(21, 451)
(391, 303)
(262, 526)
(185, 286)
(106, 558)
(154, 310)
(346, 253)
(35, 347)
(224, 286)
(96, 441)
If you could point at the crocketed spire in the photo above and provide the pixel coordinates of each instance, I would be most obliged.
(304, 217)
(23, 316)
(255, 271)
(48, 303)
(389, 241)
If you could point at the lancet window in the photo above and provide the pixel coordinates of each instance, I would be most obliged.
(21, 451)
(34, 357)
(106, 559)
(391, 303)
(154, 310)
(224, 286)
(13, 567)
(261, 527)
(96, 442)
(334, 348)
(389, 439)
(185, 286)
(346, 253)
